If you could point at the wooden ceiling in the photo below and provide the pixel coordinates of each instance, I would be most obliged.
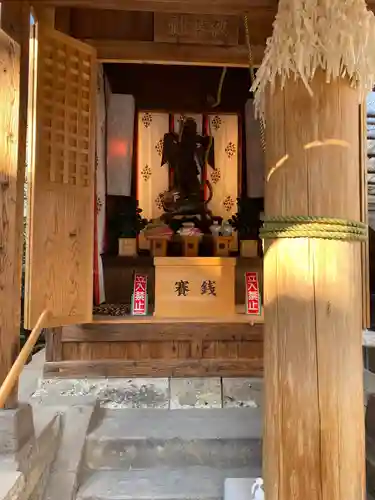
(126, 30)
(132, 36)
(187, 6)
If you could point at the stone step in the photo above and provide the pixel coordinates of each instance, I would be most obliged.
(162, 483)
(141, 439)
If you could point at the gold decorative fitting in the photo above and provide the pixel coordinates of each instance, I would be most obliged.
(146, 173)
(147, 119)
(99, 204)
(216, 122)
(228, 203)
(215, 176)
(230, 150)
(159, 147)
(159, 202)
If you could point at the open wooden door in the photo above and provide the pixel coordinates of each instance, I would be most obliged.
(59, 262)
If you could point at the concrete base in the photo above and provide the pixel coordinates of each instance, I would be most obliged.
(195, 393)
(161, 393)
(16, 428)
(159, 483)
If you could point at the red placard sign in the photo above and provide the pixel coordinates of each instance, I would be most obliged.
(139, 298)
(253, 305)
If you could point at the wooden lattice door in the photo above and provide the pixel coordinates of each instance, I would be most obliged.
(59, 264)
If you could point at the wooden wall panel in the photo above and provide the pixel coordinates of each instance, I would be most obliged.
(150, 349)
(63, 19)
(136, 25)
(112, 25)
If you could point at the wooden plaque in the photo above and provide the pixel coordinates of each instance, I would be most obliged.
(190, 28)
(194, 287)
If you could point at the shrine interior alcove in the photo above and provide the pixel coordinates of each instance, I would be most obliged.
(137, 104)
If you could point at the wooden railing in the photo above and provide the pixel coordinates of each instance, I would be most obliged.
(14, 373)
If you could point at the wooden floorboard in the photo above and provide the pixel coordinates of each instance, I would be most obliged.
(149, 332)
(155, 368)
(153, 349)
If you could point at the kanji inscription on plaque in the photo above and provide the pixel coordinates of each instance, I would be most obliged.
(191, 28)
(182, 288)
(208, 287)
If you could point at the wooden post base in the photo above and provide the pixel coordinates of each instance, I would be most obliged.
(190, 245)
(159, 247)
(222, 246)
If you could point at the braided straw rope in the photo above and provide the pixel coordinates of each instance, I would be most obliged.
(326, 228)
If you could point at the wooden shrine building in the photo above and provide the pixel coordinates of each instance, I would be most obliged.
(72, 69)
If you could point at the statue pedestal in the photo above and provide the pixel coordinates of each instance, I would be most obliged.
(222, 245)
(159, 245)
(190, 245)
(201, 287)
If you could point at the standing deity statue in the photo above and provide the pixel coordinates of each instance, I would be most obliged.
(187, 155)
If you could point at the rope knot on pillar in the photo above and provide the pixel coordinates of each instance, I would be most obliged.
(326, 228)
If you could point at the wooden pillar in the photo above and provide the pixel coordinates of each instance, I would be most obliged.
(314, 418)
(14, 43)
(45, 15)
(62, 21)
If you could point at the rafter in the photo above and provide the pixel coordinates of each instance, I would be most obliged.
(186, 6)
(167, 53)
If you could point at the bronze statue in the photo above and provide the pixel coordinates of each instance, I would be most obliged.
(187, 156)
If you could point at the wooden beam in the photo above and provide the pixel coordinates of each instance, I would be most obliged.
(63, 20)
(112, 331)
(155, 367)
(121, 51)
(45, 15)
(185, 6)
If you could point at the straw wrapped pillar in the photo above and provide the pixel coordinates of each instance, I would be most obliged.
(314, 412)
(314, 439)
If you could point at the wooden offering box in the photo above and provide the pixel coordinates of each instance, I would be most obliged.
(194, 287)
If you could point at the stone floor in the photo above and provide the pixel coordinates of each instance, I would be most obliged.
(163, 393)
(146, 393)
